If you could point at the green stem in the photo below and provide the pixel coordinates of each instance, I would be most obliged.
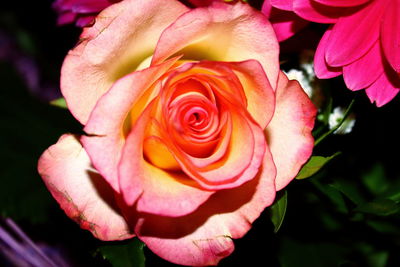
(346, 114)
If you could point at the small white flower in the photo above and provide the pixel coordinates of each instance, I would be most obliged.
(306, 63)
(336, 117)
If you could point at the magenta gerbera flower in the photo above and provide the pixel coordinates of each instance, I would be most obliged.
(82, 12)
(362, 42)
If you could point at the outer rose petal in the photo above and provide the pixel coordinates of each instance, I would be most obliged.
(124, 35)
(289, 132)
(150, 188)
(259, 93)
(81, 191)
(242, 34)
(105, 140)
(204, 237)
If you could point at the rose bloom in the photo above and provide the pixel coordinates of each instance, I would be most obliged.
(190, 127)
(362, 42)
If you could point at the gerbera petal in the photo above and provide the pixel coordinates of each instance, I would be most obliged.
(66, 18)
(199, 3)
(81, 191)
(89, 6)
(352, 36)
(124, 35)
(342, 3)
(85, 20)
(286, 29)
(282, 4)
(285, 23)
(289, 132)
(364, 71)
(312, 11)
(321, 68)
(384, 89)
(390, 34)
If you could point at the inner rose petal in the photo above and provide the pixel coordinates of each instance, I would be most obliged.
(157, 153)
(195, 116)
(193, 122)
(190, 112)
(240, 162)
(200, 125)
(190, 83)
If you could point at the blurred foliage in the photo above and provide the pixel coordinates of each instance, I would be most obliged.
(27, 128)
(346, 213)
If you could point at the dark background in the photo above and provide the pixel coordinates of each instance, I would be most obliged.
(335, 218)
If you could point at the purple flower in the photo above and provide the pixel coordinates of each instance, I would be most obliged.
(27, 68)
(19, 250)
(82, 12)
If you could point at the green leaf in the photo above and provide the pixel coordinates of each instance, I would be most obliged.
(302, 253)
(313, 165)
(333, 194)
(59, 102)
(379, 207)
(124, 253)
(278, 210)
(375, 179)
(350, 189)
(384, 227)
(392, 192)
(378, 259)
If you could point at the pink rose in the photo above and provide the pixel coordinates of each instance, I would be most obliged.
(190, 127)
(362, 42)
